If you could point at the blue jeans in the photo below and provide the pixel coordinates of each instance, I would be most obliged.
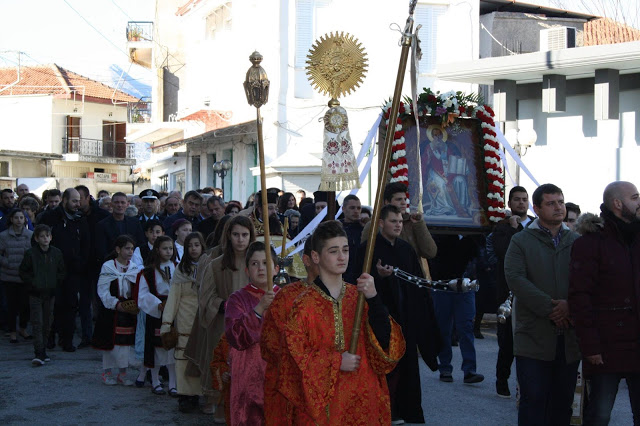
(546, 389)
(461, 308)
(602, 395)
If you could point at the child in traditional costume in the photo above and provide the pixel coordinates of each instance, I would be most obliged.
(181, 308)
(243, 326)
(219, 279)
(153, 290)
(318, 332)
(115, 327)
(152, 230)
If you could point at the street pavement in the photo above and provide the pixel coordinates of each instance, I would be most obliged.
(68, 390)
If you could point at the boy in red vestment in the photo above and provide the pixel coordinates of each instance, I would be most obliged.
(338, 387)
(242, 328)
(282, 374)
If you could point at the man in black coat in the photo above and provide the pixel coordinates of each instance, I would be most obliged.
(407, 305)
(208, 225)
(190, 211)
(88, 291)
(501, 237)
(351, 208)
(115, 225)
(70, 234)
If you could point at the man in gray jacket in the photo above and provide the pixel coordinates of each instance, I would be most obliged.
(545, 346)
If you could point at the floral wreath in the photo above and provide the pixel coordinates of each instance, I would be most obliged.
(450, 106)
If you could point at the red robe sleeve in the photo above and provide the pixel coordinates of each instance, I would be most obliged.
(241, 326)
(381, 361)
(318, 362)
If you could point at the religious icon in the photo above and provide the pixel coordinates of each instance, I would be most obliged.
(451, 169)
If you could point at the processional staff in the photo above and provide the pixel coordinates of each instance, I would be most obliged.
(407, 38)
(256, 87)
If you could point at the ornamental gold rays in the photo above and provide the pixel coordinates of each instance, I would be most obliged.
(337, 64)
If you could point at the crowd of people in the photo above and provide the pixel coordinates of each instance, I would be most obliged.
(173, 290)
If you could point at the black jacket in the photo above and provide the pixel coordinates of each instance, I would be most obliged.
(168, 223)
(207, 226)
(71, 237)
(412, 308)
(94, 216)
(107, 232)
(354, 232)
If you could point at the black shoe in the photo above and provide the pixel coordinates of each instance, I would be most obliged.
(502, 389)
(84, 344)
(38, 360)
(184, 404)
(477, 334)
(446, 377)
(46, 357)
(471, 378)
(69, 348)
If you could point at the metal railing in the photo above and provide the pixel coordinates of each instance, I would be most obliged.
(97, 148)
(139, 31)
(139, 112)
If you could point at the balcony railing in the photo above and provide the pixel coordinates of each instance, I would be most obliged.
(140, 112)
(98, 148)
(139, 31)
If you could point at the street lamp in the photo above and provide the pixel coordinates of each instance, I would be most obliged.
(133, 178)
(221, 168)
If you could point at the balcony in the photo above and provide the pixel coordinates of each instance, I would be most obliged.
(140, 42)
(98, 151)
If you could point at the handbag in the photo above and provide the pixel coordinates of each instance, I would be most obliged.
(170, 338)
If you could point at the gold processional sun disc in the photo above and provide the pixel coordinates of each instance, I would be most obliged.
(336, 64)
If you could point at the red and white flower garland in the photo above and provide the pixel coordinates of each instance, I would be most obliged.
(493, 169)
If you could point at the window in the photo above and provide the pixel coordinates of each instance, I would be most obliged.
(113, 139)
(72, 141)
(311, 23)
(428, 15)
(195, 171)
(164, 183)
(178, 180)
(218, 21)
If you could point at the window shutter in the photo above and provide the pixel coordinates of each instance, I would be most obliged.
(304, 31)
(428, 16)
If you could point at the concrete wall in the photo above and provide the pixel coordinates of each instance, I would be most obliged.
(26, 123)
(518, 32)
(579, 154)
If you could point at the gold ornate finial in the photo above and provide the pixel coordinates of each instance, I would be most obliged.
(336, 64)
(256, 84)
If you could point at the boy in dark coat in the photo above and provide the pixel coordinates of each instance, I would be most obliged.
(42, 270)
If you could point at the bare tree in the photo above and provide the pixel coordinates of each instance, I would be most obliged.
(624, 11)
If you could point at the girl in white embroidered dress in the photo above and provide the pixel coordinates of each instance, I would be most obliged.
(153, 291)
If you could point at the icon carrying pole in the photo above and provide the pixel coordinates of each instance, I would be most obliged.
(386, 158)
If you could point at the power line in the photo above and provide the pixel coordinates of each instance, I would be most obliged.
(97, 30)
(125, 13)
(111, 42)
(52, 74)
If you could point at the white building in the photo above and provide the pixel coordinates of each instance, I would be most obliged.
(583, 103)
(200, 50)
(60, 129)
